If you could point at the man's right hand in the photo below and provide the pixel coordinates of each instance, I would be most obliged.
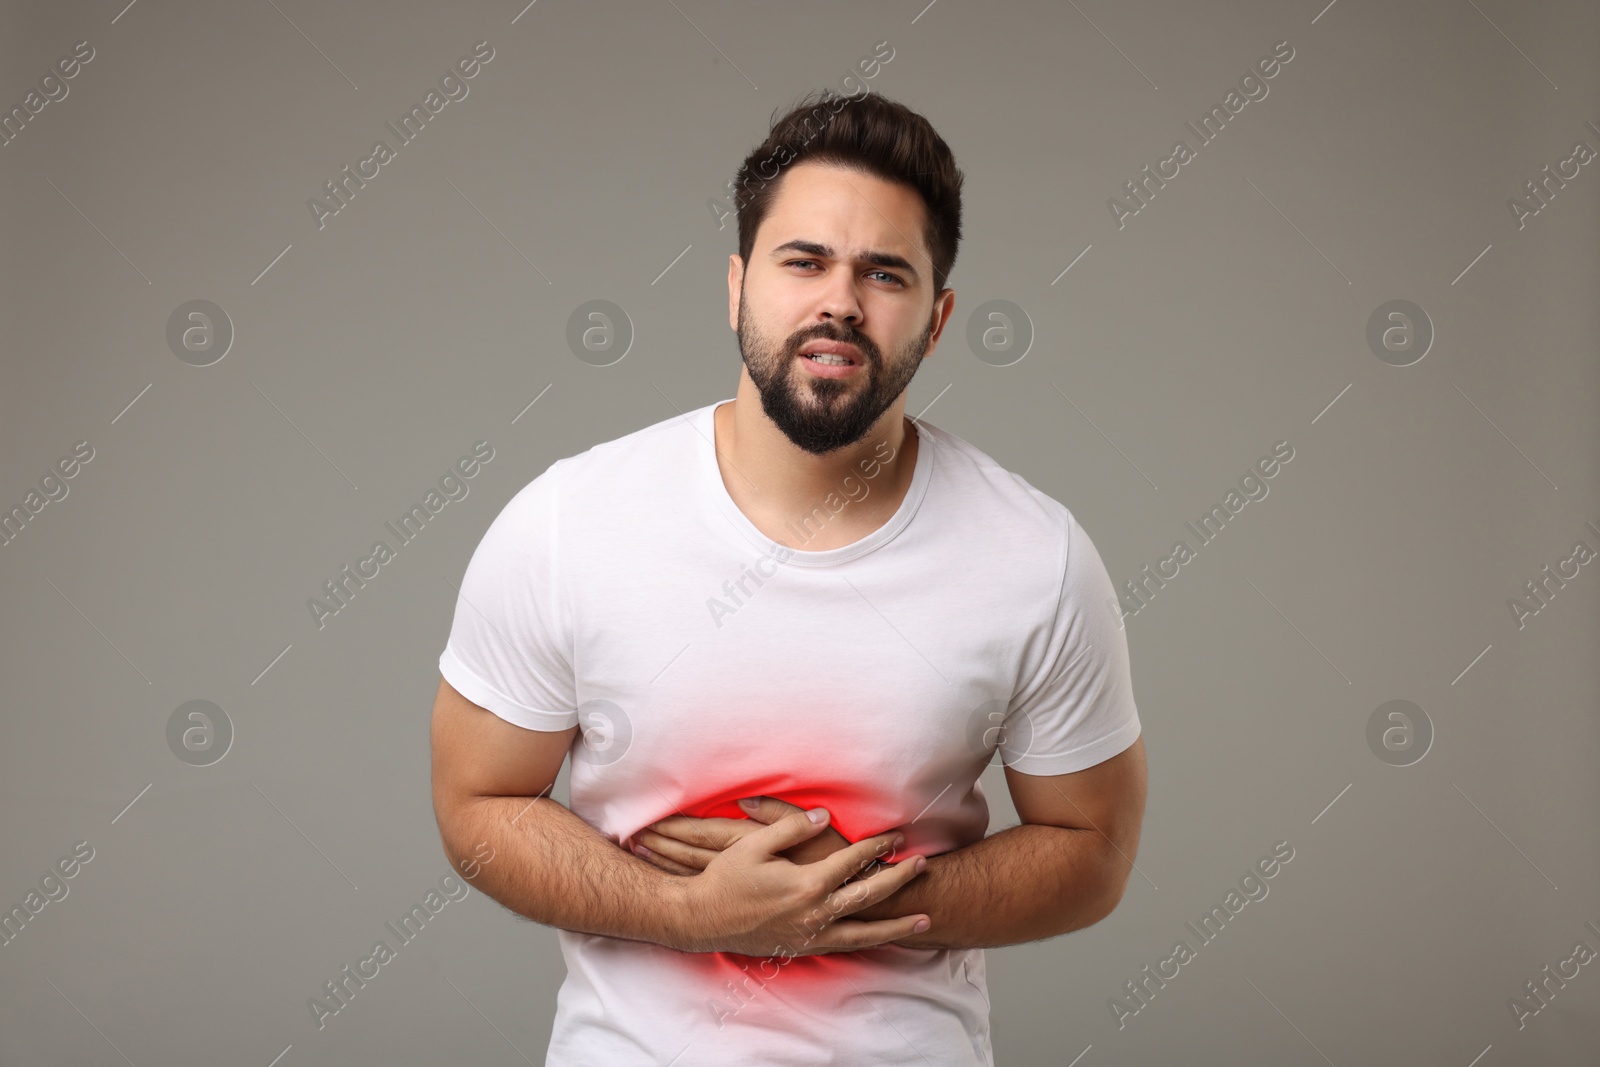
(752, 901)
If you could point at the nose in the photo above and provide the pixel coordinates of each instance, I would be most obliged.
(839, 302)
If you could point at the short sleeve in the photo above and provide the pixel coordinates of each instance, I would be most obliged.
(510, 644)
(1075, 705)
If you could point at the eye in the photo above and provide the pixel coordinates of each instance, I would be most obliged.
(883, 273)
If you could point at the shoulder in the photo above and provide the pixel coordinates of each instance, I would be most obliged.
(1001, 501)
(621, 469)
(1035, 543)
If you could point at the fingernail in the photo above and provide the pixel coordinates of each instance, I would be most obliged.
(899, 839)
(641, 851)
(922, 861)
(921, 925)
(818, 815)
(748, 802)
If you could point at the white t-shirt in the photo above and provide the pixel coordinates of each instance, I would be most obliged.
(624, 591)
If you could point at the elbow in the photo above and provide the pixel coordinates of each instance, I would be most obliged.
(1110, 899)
(1106, 887)
(446, 815)
(1087, 913)
(459, 835)
(1115, 871)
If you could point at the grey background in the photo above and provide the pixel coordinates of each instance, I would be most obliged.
(1228, 315)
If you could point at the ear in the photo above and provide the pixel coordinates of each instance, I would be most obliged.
(944, 306)
(735, 289)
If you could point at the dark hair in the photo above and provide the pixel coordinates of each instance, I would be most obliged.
(867, 133)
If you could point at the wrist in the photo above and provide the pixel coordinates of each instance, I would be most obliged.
(675, 913)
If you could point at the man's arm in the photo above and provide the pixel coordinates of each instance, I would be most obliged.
(491, 785)
(1062, 869)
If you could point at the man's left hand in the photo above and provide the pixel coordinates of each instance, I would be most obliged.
(683, 844)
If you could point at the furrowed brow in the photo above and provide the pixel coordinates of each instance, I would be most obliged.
(877, 259)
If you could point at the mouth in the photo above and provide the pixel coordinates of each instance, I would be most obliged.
(819, 369)
(831, 354)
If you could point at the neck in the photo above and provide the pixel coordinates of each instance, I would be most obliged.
(769, 475)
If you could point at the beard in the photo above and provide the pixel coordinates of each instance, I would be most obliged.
(823, 415)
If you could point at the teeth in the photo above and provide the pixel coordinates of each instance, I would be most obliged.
(829, 358)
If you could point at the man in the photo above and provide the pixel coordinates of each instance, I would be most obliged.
(803, 595)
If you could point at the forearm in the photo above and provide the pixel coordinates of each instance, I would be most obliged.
(552, 867)
(1022, 884)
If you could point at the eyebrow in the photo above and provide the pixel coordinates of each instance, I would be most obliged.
(877, 259)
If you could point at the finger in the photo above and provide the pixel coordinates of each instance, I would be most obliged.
(674, 850)
(768, 809)
(847, 861)
(863, 893)
(786, 833)
(707, 833)
(892, 840)
(849, 935)
(883, 854)
(655, 859)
